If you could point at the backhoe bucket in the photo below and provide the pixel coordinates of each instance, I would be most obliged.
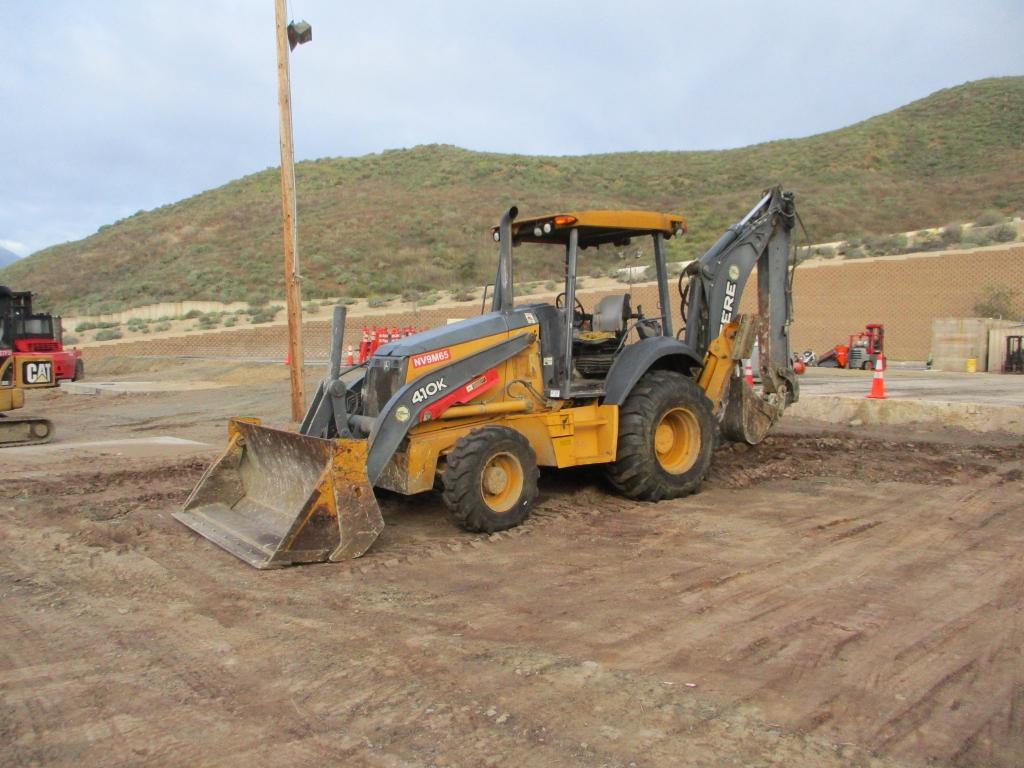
(277, 498)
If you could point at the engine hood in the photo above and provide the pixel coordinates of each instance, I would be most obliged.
(471, 328)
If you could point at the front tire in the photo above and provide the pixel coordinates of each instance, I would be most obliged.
(490, 480)
(666, 436)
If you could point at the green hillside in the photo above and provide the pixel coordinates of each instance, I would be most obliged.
(419, 218)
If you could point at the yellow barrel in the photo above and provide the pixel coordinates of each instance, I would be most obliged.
(972, 365)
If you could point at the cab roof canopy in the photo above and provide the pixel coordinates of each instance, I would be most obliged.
(596, 227)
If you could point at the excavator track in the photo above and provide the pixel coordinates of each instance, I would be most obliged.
(29, 430)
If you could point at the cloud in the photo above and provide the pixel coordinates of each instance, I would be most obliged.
(120, 106)
(18, 249)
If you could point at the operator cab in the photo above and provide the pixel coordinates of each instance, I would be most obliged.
(583, 343)
(21, 329)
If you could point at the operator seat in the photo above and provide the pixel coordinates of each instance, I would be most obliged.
(612, 313)
(594, 350)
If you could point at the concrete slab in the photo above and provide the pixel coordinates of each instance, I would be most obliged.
(855, 411)
(980, 402)
(931, 386)
(138, 447)
(131, 387)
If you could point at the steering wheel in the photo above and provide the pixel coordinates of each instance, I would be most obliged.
(578, 312)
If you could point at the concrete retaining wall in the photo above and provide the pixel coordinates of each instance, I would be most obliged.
(833, 300)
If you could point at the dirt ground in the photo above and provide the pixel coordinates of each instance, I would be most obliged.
(831, 598)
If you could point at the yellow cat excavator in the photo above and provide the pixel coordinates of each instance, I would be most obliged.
(474, 408)
(18, 373)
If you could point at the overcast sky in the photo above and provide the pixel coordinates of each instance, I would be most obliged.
(109, 107)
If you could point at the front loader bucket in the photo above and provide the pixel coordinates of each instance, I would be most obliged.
(277, 498)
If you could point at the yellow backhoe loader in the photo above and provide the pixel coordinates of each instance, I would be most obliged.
(18, 373)
(474, 408)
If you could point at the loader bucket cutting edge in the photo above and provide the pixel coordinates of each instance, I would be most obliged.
(277, 498)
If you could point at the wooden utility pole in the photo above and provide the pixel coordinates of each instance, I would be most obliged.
(293, 291)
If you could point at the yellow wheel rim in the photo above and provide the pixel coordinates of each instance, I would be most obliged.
(501, 482)
(677, 440)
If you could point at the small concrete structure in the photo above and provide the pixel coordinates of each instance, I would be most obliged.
(138, 446)
(133, 387)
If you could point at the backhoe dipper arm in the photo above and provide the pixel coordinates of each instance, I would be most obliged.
(714, 285)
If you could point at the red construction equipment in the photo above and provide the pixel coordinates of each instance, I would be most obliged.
(878, 382)
(36, 334)
(864, 349)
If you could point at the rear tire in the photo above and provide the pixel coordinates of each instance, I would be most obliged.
(666, 437)
(490, 480)
(79, 371)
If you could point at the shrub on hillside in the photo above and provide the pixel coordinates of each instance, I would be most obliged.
(463, 295)
(376, 301)
(108, 334)
(929, 241)
(257, 299)
(952, 233)
(977, 237)
(192, 314)
(885, 245)
(87, 326)
(996, 302)
(989, 218)
(263, 314)
(161, 327)
(1005, 234)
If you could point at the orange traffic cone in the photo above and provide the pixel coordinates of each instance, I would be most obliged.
(878, 383)
(288, 357)
(748, 371)
(350, 356)
(364, 345)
